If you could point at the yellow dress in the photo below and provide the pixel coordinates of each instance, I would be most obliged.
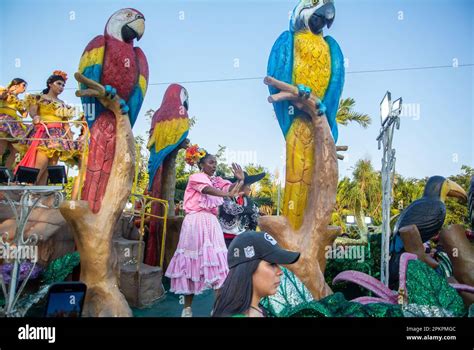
(55, 141)
(12, 110)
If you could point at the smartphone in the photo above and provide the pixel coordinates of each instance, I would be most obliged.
(65, 299)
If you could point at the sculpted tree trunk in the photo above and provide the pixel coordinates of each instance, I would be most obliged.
(163, 187)
(169, 176)
(315, 236)
(460, 251)
(93, 232)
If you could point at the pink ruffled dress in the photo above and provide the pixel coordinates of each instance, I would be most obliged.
(200, 260)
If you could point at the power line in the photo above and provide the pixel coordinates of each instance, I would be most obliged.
(262, 77)
(410, 68)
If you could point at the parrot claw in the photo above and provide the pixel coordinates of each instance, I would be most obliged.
(304, 91)
(110, 91)
(321, 107)
(124, 109)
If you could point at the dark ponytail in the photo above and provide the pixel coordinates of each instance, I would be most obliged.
(53, 78)
(16, 81)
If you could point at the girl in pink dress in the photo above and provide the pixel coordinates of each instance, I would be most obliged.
(200, 260)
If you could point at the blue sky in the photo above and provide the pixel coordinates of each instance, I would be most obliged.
(232, 39)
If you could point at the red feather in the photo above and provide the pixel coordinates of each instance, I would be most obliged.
(142, 63)
(95, 43)
(101, 155)
(121, 67)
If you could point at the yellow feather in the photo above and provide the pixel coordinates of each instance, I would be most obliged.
(168, 132)
(142, 83)
(92, 57)
(312, 62)
(311, 67)
(299, 161)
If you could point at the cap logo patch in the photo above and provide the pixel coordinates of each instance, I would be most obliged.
(270, 239)
(249, 252)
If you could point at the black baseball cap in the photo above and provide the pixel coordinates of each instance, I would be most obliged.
(252, 245)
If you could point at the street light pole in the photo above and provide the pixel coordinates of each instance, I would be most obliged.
(390, 118)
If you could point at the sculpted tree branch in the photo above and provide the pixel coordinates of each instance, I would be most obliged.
(93, 232)
(315, 235)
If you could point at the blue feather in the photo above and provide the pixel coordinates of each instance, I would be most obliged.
(91, 106)
(280, 66)
(134, 103)
(396, 245)
(157, 158)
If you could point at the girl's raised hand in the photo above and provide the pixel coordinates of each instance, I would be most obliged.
(238, 172)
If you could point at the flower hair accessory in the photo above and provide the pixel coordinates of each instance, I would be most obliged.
(194, 154)
(61, 74)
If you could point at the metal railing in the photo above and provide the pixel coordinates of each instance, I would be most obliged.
(143, 212)
(66, 136)
(30, 198)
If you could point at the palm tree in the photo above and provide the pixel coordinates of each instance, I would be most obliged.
(346, 114)
(359, 197)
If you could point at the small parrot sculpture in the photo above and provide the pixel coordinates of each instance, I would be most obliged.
(169, 131)
(169, 128)
(113, 61)
(302, 56)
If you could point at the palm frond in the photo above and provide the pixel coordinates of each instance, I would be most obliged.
(346, 114)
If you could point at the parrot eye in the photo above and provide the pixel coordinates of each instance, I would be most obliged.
(315, 2)
(184, 98)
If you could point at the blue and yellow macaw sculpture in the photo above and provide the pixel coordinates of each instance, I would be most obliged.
(302, 56)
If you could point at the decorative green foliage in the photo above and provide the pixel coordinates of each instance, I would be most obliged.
(426, 287)
(294, 300)
(471, 311)
(291, 292)
(414, 310)
(336, 305)
(60, 268)
(370, 266)
(57, 271)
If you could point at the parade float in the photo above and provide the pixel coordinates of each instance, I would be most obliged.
(118, 242)
(306, 77)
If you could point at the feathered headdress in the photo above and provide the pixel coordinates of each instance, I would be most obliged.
(61, 74)
(194, 154)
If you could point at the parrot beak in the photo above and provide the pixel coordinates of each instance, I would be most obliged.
(134, 29)
(185, 144)
(452, 189)
(323, 16)
(330, 20)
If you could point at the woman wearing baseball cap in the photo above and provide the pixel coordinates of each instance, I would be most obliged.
(254, 259)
